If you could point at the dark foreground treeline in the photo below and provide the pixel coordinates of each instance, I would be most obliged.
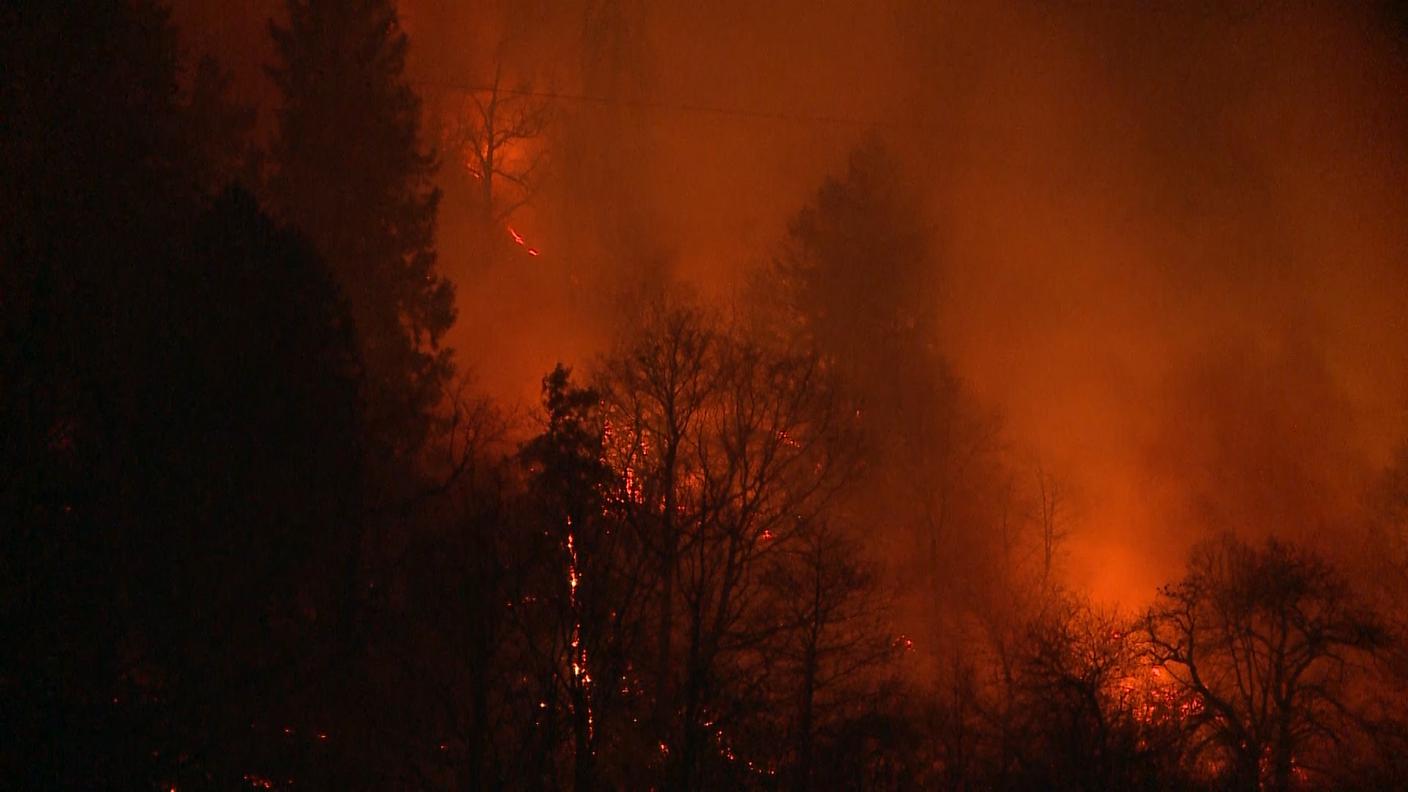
(255, 537)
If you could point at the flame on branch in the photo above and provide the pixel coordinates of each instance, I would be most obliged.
(580, 675)
(518, 240)
(501, 140)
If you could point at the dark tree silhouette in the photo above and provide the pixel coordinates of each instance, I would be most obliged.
(656, 388)
(182, 439)
(458, 704)
(504, 147)
(220, 132)
(593, 578)
(858, 282)
(1089, 717)
(833, 644)
(246, 501)
(1266, 638)
(350, 171)
(859, 272)
(250, 538)
(89, 179)
(729, 445)
(1051, 518)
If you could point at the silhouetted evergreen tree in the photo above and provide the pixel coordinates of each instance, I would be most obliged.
(89, 181)
(350, 172)
(857, 281)
(180, 427)
(246, 498)
(592, 575)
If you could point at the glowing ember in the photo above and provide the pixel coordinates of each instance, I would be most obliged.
(518, 240)
(579, 652)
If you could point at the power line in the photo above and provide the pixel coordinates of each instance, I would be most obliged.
(736, 112)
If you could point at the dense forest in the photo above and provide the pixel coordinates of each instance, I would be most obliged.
(262, 528)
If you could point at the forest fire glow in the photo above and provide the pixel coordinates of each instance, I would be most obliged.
(914, 395)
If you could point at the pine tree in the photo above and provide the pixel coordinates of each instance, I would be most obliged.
(179, 463)
(349, 170)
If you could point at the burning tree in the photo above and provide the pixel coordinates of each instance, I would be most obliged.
(725, 448)
(1266, 639)
(656, 389)
(591, 579)
(1088, 715)
(502, 145)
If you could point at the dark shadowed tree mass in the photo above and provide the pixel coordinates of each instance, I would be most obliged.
(1267, 640)
(350, 169)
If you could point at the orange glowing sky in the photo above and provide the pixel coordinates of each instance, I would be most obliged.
(1171, 238)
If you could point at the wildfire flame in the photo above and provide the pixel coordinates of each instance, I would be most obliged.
(518, 240)
(579, 652)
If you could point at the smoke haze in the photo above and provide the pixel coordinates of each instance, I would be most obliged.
(1169, 236)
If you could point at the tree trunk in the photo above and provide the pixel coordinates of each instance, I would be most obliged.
(583, 776)
(668, 560)
(803, 780)
(694, 694)
(1280, 780)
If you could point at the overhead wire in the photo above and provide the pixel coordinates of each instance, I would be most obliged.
(680, 107)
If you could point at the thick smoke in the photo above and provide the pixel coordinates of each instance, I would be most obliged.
(1169, 235)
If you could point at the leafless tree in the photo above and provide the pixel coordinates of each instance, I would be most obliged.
(503, 144)
(655, 388)
(767, 458)
(1052, 518)
(1092, 717)
(726, 446)
(589, 574)
(835, 638)
(1266, 638)
(456, 663)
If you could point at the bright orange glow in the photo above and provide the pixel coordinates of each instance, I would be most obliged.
(579, 652)
(518, 240)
